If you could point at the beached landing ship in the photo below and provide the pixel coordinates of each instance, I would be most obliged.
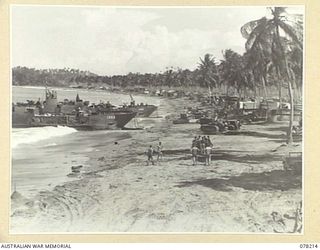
(77, 114)
(141, 110)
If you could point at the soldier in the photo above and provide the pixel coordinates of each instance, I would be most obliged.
(207, 153)
(194, 142)
(58, 110)
(149, 153)
(194, 153)
(159, 149)
(209, 141)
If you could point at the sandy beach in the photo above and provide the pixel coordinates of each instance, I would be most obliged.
(245, 189)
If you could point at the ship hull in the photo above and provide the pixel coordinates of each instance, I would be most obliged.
(143, 110)
(22, 117)
(99, 121)
(76, 114)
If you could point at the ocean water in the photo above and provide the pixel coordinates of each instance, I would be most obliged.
(21, 94)
(24, 136)
(42, 157)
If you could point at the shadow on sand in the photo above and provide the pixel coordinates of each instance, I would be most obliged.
(261, 135)
(273, 180)
(280, 138)
(230, 155)
(282, 129)
(245, 158)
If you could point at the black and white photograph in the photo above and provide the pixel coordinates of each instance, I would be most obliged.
(157, 119)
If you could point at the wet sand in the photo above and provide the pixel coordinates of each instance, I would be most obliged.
(243, 190)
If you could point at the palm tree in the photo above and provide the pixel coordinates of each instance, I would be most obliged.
(295, 59)
(275, 37)
(257, 61)
(208, 72)
(232, 70)
(185, 77)
(169, 77)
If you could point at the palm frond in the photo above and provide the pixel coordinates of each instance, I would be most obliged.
(277, 11)
(249, 27)
(292, 34)
(257, 33)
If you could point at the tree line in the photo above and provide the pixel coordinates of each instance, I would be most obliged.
(234, 74)
(273, 61)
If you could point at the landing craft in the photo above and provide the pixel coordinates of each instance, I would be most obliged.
(141, 110)
(78, 114)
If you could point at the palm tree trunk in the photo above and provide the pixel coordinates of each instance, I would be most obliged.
(279, 84)
(245, 92)
(289, 135)
(290, 138)
(296, 90)
(263, 80)
(265, 95)
(255, 91)
(280, 92)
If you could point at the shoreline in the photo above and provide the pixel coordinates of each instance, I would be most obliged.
(119, 193)
(95, 163)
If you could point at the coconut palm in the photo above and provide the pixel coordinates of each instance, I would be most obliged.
(208, 72)
(295, 60)
(275, 37)
(257, 63)
(232, 70)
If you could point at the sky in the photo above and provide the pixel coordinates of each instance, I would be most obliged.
(119, 40)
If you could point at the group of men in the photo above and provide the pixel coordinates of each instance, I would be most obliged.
(201, 146)
(152, 152)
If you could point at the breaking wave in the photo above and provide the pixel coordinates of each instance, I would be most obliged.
(32, 135)
(51, 145)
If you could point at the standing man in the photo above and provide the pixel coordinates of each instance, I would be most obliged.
(202, 144)
(150, 155)
(159, 149)
(194, 142)
(207, 152)
(209, 141)
(57, 110)
(194, 153)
